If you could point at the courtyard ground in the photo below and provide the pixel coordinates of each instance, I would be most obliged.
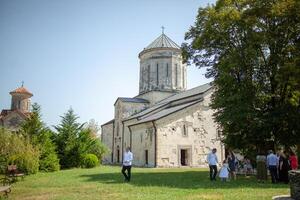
(106, 182)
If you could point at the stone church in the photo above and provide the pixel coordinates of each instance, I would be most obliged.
(19, 111)
(165, 125)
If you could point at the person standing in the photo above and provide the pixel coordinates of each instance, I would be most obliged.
(293, 160)
(224, 171)
(284, 167)
(261, 167)
(231, 164)
(212, 160)
(272, 162)
(127, 162)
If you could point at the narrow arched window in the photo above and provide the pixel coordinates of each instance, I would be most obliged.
(148, 74)
(157, 78)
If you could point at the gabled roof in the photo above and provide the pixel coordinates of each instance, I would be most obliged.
(163, 41)
(21, 90)
(109, 122)
(4, 113)
(176, 97)
(165, 112)
(132, 100)
(191, 92)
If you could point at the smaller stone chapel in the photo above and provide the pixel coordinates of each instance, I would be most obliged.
(19, 111)
(165, 125)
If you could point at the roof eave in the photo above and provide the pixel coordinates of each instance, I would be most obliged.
(158, 48)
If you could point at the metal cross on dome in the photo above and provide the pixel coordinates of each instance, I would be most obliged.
(163, 29)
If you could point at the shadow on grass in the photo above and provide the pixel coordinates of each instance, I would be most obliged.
(178, 179)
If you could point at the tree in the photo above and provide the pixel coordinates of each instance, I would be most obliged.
(94, 128)
(40, 137)
(66, 140)
(252, 50)
(74, 141)
(17, 149)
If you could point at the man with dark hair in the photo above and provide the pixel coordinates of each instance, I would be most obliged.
(212, 160)
(127, 162)
(272, 162)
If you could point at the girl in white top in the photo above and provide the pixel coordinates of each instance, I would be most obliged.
(224, 171)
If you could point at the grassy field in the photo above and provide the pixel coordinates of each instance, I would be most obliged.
(106, 182)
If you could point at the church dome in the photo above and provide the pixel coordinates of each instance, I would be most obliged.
(162, 42)
(21, 90)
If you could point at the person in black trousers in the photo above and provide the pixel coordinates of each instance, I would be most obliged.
(127, 162)
(212, 162)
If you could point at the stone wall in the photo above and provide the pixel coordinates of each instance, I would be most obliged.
(143, 139)
(13, 121)
(20, 102)
(107, 139)
(122, 111)
(198, 138)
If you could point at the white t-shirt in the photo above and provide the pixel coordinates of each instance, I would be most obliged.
(128, 157)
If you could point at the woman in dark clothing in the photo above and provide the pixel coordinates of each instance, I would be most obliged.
(231, 165)
(284, 167)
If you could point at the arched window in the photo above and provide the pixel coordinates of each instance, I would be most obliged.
(157, 78)
(118, 154)
(148, 75)
(176, 75)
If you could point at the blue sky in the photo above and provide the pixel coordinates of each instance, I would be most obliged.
(84, 54)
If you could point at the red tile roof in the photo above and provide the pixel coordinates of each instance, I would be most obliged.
(21, 90)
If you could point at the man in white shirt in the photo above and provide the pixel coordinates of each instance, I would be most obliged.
(127, 162)
(212, 160)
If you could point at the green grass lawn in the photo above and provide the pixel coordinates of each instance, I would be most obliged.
(106, 182)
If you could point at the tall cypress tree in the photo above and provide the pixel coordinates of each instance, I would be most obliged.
(40, 135)
(66, 139)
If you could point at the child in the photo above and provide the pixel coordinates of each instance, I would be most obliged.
(224, 171)
(247, 166)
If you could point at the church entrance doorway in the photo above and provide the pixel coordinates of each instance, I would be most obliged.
(184, 155)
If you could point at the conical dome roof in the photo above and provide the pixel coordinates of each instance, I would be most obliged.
(21, 90)
(161, 42)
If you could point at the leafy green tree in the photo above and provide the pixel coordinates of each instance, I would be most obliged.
(40, 136)
(18, 150)
(252, 50)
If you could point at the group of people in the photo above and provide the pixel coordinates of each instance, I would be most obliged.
(278, 165)
(228, 169)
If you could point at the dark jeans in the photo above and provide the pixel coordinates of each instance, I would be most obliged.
(128, 175)
(213, 170)
(273, 172)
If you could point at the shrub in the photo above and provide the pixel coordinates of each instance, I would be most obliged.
(89, 161)
(27, 162)
(16, 149)
(49, 161)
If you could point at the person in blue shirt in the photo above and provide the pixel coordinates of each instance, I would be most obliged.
(272, 164)
(212, 160)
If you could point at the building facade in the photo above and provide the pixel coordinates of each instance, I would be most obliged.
(165, 125)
